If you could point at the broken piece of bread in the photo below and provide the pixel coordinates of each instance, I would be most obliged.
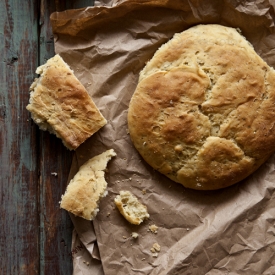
(60, 104)
(87, 187)
(129, 206)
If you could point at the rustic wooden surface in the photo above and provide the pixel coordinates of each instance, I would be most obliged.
(35, 234)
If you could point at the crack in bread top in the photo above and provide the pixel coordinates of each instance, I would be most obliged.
(202, 113)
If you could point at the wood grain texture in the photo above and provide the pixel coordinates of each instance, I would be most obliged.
(55, 224)
(35, 234)
(19, 224)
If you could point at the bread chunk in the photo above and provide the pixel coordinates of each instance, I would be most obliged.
(60, 104)
(129, 206)
(88, 186)
(203, 110)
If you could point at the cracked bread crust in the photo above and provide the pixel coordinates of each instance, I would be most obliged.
(203, 111)
(60, 104)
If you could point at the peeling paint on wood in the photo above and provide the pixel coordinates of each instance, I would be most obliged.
(19, 226)
(35, 234)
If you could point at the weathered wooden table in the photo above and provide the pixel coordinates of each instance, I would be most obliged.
(35, 234)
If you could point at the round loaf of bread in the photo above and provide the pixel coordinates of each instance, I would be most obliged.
(203, 112)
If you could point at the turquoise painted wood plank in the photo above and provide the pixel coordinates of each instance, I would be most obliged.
(35, 234)
(19, 224)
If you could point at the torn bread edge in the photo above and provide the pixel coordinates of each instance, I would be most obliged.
(57, 95)
(131, 209)
(88, 187)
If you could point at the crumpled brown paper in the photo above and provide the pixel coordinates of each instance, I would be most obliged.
(83, 261)
(229, 231)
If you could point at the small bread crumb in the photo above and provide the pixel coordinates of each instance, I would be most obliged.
(155, 255)
(144, 191)
(153, 228)
(155, 248)
(134, 235)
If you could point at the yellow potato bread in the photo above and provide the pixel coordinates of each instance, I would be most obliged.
(203, 112)
(60, 104)
(88, 186)
(130, 208)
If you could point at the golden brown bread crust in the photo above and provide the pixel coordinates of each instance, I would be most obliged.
(130, 207)
(203, 111)
(88, 186)
(60, 104)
